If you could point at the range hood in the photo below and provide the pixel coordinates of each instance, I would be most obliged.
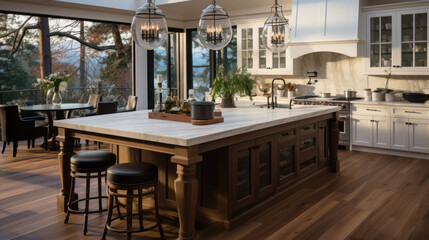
(325, 26)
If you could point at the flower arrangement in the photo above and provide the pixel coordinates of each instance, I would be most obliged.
(57, 81)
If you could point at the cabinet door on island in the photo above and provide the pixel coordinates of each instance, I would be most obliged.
(252, 172)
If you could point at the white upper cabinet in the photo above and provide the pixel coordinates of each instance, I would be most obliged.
(325, 25)
(253, 54)
(398, 39)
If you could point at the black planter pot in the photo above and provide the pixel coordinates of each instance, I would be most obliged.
(227, 103)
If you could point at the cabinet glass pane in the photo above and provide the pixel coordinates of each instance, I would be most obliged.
(407, 28)
(243, 173)
(262, 51)
(283, 59)
(275, 60)
(407, 54)
(375, 28)
(286, 161)
(264, 166)
(247, 47)
(386, 29)
(421, 54)
(262, 59)
(386, 55)
(421, 27)
(250, 59)
(261, 44)
(375, 55)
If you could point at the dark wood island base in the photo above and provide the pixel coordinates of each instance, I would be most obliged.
(226, 180)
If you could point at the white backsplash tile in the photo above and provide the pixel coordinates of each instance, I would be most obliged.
(337, 73)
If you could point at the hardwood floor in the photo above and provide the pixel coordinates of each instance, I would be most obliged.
(373, 197)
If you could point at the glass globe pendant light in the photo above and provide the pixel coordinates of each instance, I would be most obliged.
(149, 26)
(214, 28)
(275, 34)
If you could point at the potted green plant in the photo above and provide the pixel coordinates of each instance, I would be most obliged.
(225, 86)
(390, 95)
(377, 95)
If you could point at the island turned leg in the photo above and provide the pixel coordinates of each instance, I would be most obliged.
(334, 136)
(186, 190)
(66, 147)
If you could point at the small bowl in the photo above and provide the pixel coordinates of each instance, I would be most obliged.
(264, 87)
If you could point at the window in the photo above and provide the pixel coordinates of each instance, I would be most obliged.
(165, 61)
(202, 62)
(98, 56)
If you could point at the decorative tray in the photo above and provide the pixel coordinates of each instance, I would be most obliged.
(182, 118)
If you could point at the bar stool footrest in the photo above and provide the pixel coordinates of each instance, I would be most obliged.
(113, 229)
(83, 211)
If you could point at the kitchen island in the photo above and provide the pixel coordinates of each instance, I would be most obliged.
(225, 172)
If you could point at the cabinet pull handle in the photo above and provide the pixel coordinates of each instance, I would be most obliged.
(373, 110)
(257, 147)
(285, 134)
(306, 128)
(372, 121)
(411, 112)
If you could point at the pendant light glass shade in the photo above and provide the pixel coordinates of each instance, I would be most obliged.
(276, 31)
(214, 29)
(149, 26)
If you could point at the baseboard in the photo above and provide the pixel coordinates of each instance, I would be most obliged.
(391, 152)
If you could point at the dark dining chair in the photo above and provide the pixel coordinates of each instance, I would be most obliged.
(107, 107)
(131, 104)
(15, 129)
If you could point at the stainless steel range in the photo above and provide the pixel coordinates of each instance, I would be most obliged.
(344, 115)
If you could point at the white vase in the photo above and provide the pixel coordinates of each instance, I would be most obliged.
(290, 94)
(390, 97)
(376, 96)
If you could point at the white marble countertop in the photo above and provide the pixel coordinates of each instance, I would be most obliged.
(395, 103)
(240, 120)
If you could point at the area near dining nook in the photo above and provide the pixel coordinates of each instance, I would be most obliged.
(186, 119)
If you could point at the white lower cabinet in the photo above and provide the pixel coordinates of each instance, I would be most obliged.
(410, 134)
(362, 130)
(395, 127)
(371, 131)
(399, 134)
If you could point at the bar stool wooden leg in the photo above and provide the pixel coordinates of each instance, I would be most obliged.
(158, 220)
(129, 213)
(141, 209)
(100, 204)
(109, 214)
(85, 228)
(72, 184)
(117, 206)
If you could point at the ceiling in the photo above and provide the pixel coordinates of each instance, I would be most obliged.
(181, 10)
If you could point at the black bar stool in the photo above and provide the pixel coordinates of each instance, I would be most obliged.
(88, 165)
(136, 176)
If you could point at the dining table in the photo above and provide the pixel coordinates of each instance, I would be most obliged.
(62, 111)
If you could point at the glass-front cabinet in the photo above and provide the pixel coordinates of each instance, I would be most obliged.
(253, 54)
(398, 39)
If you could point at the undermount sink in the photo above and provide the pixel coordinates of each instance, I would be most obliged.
(281, 105)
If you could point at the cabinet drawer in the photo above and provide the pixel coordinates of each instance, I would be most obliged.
(307, 129)
(369, 110)
(286, 135)
(307, 143)
(410, 112)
